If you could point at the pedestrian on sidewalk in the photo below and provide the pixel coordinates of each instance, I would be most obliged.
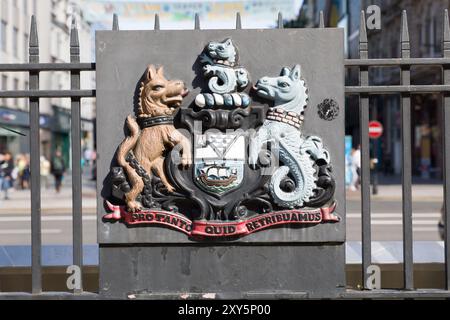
(356, 168)
(58, 168)
(26, 172)
(23, 170)
(6, 169)
(45, 171)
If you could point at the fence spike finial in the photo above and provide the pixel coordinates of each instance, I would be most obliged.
(74, 41)
(197, 22)
(446, 26)
(34, 41)
(405, 44)
(280, 20)
(362, 28)
(321, 20)
(238, 21)
(363, 43)
(446, 34)
(156, 27)
(405, 30)
(115, 25)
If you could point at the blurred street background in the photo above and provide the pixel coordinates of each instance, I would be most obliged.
(57, 213)
(54, 17)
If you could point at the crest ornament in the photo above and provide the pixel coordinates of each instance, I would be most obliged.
(242, 167)
(225, 76)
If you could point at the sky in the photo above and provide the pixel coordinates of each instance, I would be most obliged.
(179, 14)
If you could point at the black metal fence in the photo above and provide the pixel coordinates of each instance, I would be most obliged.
(34, 67)
(364, 90)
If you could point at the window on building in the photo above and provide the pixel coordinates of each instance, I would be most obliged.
(4, 85)
(26, 101)
(3, 26)
(16, 87)
(5, 6)
(58, 45)
(420, 33)
(4, 82)
(15, 42)
(25, 7)
(436, 39)
(428, 36)
(25, 47)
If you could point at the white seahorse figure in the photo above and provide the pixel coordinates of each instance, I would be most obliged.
(297, 152)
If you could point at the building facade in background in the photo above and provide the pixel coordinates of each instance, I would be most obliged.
(54, 20)
(425, 20)
(179, 14)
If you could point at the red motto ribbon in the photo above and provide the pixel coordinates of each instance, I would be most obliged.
(223, 229)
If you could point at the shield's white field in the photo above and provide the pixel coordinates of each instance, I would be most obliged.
(219, 161)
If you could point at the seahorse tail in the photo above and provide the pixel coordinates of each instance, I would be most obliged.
(303, 174)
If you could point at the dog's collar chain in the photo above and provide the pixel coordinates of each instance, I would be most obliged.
(145, 122)
(288, 117)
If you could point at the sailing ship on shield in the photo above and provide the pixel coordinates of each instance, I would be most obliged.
(219, 162)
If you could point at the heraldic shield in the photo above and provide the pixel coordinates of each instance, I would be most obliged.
(219, 161)
(230, 161)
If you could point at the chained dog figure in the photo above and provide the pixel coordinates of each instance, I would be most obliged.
(152, 134)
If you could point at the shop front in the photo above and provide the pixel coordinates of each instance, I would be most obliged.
(60, 125)
(14, 131)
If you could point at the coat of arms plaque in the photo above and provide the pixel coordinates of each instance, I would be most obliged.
(223, 166)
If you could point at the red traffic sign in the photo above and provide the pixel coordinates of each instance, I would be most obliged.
(375, 130)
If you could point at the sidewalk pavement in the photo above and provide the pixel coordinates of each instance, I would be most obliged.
(420, 192)
(51, 202)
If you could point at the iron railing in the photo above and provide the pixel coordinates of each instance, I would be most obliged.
(34, 67)
(405, 89)
(364, 90)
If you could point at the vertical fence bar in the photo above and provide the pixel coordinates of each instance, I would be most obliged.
(77, 214)
(115, 25)
(408, 269)
(36, 240)
(197, 22)
(238, 21)
(321, 20)
(280, 21)
(365, 154)
(156, 27)
(446, 138)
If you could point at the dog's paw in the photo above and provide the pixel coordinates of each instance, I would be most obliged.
(170, 189)
(133, 207)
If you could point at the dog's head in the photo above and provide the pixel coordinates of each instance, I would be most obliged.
(159, 96)
(285, 88)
